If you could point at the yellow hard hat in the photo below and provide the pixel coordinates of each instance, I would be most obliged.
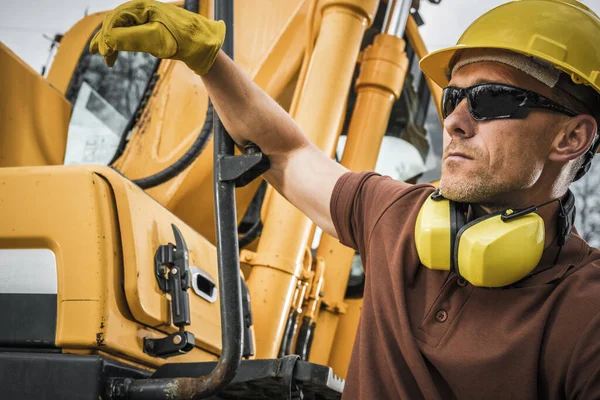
(564, 33)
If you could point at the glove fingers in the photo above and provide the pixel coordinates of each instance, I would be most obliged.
(151, 38)
(94, 43)
(98, 45)
(132, 13)
(163, 30)
(111, 58)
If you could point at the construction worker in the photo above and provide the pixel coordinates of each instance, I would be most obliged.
(480, 289)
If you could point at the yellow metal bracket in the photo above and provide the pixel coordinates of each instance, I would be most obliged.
(271, 260)
(336, 307)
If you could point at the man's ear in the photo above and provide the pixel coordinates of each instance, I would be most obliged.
(574, 138)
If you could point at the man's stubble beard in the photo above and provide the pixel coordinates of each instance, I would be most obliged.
(483, 186)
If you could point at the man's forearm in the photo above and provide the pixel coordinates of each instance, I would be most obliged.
(299, 170)
(248, 113)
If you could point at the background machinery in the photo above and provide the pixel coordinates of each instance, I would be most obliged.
(121, 270)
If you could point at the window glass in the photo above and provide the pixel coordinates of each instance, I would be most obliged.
(104, 101)
(94, 130)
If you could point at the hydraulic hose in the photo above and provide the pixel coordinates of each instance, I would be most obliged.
(185, 160)
(255, 229)
(305, 338)
(291, 327)
(251, 235)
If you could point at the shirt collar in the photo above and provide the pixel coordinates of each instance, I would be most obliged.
(550, 268)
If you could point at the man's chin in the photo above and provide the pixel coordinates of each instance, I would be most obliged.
(465, 189)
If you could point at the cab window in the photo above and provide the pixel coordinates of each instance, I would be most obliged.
(105, 102)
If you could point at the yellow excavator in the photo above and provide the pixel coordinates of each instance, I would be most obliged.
(141, 255)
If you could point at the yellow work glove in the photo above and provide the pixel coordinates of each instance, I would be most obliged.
(163, 30)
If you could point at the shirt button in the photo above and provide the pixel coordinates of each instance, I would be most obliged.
(441, 315)
(462, 282)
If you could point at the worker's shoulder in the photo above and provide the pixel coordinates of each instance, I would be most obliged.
(584, 269)
(577, 292)
(398, 193)
(573, 307)
(380, 192)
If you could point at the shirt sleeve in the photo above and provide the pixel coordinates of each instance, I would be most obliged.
(583, 375)
(358, 201)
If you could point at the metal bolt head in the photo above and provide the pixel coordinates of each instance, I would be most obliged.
(174, 271)
(177, 339)
(162, 269)
(251, 148)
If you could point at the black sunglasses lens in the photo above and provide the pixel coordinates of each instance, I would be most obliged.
(449, 100)
(494, 101)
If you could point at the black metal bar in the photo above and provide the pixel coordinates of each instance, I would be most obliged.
(229, 277)
(230, 291)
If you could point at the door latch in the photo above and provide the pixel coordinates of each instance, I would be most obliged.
(171, 268)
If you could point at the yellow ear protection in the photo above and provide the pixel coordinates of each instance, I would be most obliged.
(495, 250)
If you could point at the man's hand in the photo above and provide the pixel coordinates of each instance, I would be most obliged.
(163, 30)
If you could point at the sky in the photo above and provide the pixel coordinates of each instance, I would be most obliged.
(25, 23)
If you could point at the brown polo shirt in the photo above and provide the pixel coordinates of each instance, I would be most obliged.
(427, 334)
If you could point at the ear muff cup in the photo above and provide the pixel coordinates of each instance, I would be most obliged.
(433, 234)
(489, 252)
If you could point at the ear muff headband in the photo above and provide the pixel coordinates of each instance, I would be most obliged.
(566, 218)
(457, 221)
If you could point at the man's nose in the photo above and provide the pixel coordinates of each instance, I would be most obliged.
(460, 123)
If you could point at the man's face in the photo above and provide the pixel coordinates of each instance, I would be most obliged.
(491, 162)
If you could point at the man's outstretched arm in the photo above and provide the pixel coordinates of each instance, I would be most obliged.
(299, 171)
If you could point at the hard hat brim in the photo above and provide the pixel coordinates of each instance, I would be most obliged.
(436, 65)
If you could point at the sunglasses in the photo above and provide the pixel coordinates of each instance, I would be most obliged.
(489, 101)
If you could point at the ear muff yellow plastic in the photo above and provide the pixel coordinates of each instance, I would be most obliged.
(492, 253)
(433, 234)
(487, 252)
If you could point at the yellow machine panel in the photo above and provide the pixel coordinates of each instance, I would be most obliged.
(104, 232)
(35, 119)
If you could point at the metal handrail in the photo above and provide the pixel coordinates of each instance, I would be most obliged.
(229, 277)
